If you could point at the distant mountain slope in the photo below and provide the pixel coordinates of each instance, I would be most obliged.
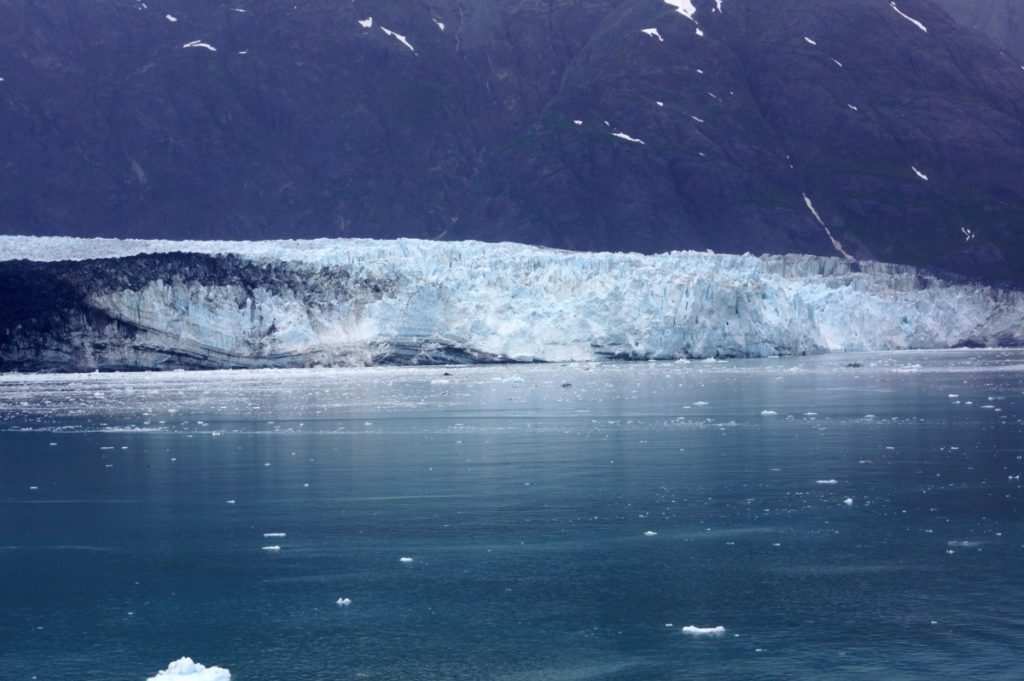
(1001, 20)
(588, 124)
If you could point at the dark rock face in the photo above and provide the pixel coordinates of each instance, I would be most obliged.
(302, 122)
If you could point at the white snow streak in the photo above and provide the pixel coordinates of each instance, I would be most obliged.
(199, 43)
(912, 20)
(835, 242)
(809, 41)
(440, 24)
(624, 136)
(919, 173)
(399, 37)
(684, 7)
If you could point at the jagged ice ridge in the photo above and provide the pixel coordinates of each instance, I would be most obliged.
(153, 304)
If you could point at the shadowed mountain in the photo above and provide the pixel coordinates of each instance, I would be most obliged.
(882, 129)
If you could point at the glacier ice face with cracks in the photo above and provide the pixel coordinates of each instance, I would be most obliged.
(166, 304)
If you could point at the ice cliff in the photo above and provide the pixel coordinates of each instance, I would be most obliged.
(82, 304)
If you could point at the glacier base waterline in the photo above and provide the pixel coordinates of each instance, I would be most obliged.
(104, 304)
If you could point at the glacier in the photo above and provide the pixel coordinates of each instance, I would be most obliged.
(85, 304)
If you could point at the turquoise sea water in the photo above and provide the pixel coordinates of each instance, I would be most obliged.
(523, 495)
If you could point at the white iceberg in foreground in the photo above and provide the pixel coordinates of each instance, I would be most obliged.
(187, 670)
(209, 304)
(703, 631)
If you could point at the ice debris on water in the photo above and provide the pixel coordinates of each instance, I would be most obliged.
(703, 631)
(830, 481)
(272, 548)
(344, 602)
(650, 533)
(185, 669)
(267, 535)
(405, 559)
(848, 501)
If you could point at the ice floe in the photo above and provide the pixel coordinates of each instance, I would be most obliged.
(653, 32)
(185, 669)
(692, 630)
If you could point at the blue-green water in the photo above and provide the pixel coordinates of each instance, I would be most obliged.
(524, 504)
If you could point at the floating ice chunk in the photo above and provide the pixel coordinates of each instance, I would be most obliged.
(718, 5)
(230, 501)
(199, 43)
(653, 32)
(837, 62)
(919, 173)
(830, 481)
(344, 602)
(624, 136)
(703, 631)
(366, 23)
(33, 487)
(852, 107)
(440, 24)
(696, 118)
(700, 404)
(848, 501)
(399, 37)
(912, 20)
(659, 103)
(405, 559)
(187, 670)
(267, 535)
(650, 533)
(809, 41)
(577, 122)
(699, 31)
(272, 548)
(768, 412)
(171, 18)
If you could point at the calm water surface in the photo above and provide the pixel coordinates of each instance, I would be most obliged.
(523, 495)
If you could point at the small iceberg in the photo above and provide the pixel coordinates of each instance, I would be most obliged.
(650, 533)
(186, 669)
(405, 559)
(703, 631)
(344, 602)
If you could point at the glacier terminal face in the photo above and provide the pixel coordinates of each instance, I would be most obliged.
(85, 304)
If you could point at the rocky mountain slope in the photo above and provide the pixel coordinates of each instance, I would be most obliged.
(1000, 20)
(871, 128)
